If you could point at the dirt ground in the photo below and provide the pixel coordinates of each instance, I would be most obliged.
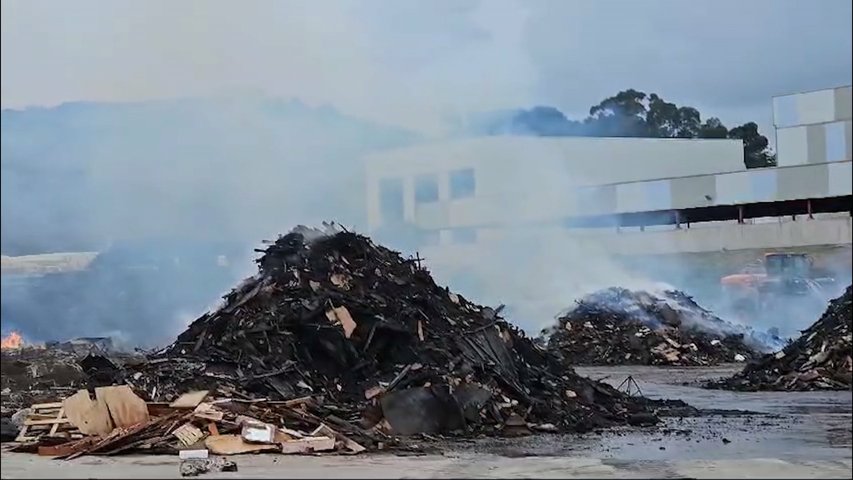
(788, 435)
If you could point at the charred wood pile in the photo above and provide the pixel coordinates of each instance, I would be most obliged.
(617, 326)
(820, 359)
(331, 313)
(34, 374)
(338, 344)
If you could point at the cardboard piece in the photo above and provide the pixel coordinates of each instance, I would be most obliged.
(126, 409)
(234, 445)
(91, 417)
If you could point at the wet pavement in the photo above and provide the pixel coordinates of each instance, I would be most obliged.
(787, 435)
(743, 425)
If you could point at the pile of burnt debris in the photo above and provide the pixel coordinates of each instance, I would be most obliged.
(36, 373)
(820, 359)
(616, 326)
(340, 338)
(332, 312)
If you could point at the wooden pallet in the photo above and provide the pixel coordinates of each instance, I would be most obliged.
(47, 420)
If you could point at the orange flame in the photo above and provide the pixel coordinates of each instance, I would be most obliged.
(13, 340)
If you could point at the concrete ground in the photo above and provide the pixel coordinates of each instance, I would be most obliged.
(790, 435)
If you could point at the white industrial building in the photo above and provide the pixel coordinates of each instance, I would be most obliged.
(536, 221)
(470, 191)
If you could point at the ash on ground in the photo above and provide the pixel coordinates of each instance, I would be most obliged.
(616, 326)
(820, 359)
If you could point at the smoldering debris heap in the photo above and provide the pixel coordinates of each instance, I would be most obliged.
(820, 359)
(617, 326)
(371, 338)
(32, 373)
(35, 374)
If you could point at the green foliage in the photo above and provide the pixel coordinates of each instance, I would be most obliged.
(631, 113)
(755, 146)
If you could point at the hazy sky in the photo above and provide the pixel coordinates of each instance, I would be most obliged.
(415, 62)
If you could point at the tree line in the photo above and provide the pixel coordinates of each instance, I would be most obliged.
(632, 113)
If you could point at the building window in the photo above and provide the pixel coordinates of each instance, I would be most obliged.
(462, 183)
(463, 235)
(785, 111)
(426, 188)
(391, 200)
(835, 148)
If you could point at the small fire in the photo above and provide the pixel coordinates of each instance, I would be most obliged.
(13, 340)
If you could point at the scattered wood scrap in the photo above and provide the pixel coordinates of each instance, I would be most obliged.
(47, 420)
(223, 426)
(190, 400)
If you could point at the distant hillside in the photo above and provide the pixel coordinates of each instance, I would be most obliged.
(78, 176)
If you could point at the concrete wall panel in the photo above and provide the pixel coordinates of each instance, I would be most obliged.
(631, 197)
(763, 184)
(843, 103)
(575, 160)
(816, 143)
(835, 142)
(474, 211)
(792, 146)
(694, 191)
(595, 200)
(432, 215)
(785, 113)
(733, 188)
(798, 183)
(785, 233)
(816, 107)
(840, 179)
(848, 139)
(658, 195)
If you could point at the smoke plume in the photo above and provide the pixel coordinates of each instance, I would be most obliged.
(195, 129)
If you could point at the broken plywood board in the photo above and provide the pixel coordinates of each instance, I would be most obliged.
(188, 434)
(207, 411)
(350, 444)
(67, 448)
(308, 445)
(190, 400)
(91, 417)
(234, 445)
(342, 316)
(126, 409)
